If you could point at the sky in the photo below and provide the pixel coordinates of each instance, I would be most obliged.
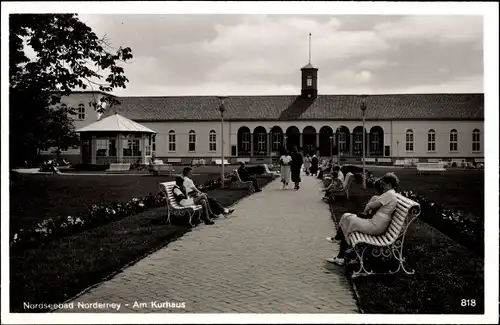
(262, 54)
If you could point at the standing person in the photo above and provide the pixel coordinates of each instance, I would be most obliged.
(307, 164)
(314, 165)
(295, 166)
(285, 161)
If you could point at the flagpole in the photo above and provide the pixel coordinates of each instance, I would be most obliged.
(309, 47)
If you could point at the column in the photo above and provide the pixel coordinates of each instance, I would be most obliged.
(270, 147)
(81, 148)
(317, 143)
(301, 140)
(351, 143)
(251, 145)
(93, 146)
(367, 144)
(143, 151)
(119, 148)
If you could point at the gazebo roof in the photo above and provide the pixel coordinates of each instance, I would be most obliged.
(115, 123)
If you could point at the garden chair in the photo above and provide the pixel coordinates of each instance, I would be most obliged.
(173, 208)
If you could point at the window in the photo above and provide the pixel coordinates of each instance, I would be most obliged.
(81, 111)
(343, 142)
(101, 147)
(358, 138)
(261, 142)
(476, 140)
(171, 140)
(245, 141)
(309, 81)
(453, 140)
(409, 140)
(153, 142)
(132, 148)
(375, 140)
(192, 141)
(276, 141)
(431, 141)
(212, 139)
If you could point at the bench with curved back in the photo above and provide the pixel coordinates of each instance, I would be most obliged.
(240, 183)
(389, 244)
(174, 208)
(349, 178)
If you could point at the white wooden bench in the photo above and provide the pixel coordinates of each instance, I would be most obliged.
(242, 184)
(174, 160)
(368, 160)
(399, 162)
(384, 160)
(118, 167)
(348, 180)
(219, 162)
(157, 162)
(268, 171)
(390, 244)
(430, 167)
(173, 208)
(161, 169)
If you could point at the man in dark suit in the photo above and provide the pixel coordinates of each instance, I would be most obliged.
(246, 176)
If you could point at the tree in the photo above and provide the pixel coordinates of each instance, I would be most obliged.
(67, 55)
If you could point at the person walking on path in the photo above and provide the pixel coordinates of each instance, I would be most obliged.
(285, 161)
(307, 164)
(314, 165)
(295, 166)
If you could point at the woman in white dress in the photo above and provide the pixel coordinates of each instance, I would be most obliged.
(381, 207)
(285, 160)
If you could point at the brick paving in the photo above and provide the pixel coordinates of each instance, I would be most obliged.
(268, 257)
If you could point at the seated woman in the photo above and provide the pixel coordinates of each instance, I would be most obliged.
(336, 186)
(192, 191)
(183, 200)
(383, 206)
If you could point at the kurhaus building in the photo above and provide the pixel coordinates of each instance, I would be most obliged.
(397, 126)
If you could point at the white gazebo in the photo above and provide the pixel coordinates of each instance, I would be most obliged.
(115, 139)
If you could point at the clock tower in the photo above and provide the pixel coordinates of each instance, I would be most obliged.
(309, 78)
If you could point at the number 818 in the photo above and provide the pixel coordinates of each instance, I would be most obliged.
(468, 303)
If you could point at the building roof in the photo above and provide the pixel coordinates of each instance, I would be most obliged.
(324, 107)
(115, 123)
(308, 66)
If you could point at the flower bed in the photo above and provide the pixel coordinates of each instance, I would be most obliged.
(467, 232)
(61, 226)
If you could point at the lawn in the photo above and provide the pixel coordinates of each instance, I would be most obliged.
(57, 270)
(446, 271)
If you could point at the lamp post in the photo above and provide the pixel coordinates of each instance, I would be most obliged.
(222, 108)
(363, 109)
(338, 146)
(397, 146)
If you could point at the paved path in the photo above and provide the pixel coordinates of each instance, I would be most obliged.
(269, 256)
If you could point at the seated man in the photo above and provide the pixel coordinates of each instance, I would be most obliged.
(246, 176)
(192, 191)
(325, 168)
(336, 186)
